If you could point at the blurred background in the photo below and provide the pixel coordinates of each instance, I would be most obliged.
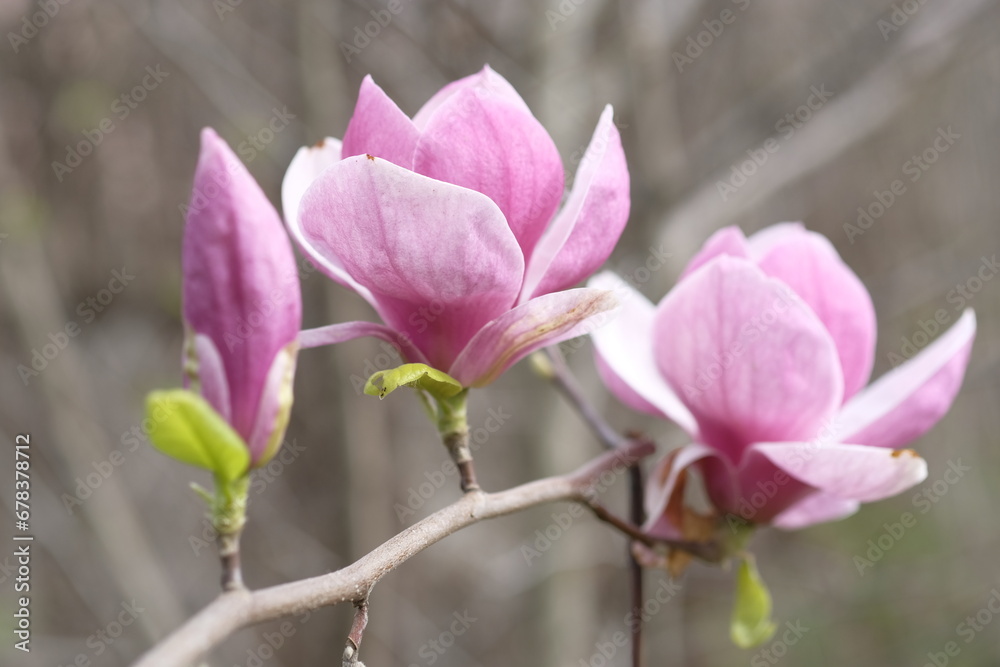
(101, 104)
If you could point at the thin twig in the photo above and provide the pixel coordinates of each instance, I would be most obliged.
(708, 551)
(635, 569)
(566, 383)
(237, 609)
(353, 647)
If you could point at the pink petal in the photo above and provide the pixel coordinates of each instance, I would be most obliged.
(482, 141)
(241, 286)
(438, 259)
(748, 358)
(209, 374)
(586, 230)
(760, 243)
(852, 472)
(275, 406)
(907, 401)
(486, 81)
(623, 391)
(816, 508)
(345, 331)
(379, 128)
(546, 320)
(809, 264)
(307, 164)
(625, 346)
(727, 241)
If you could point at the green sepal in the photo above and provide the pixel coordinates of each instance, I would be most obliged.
(437, 383)
(751, 622)
(187, 428)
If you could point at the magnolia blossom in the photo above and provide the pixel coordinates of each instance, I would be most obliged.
(242, 307)
(447, 224)
(762, 353)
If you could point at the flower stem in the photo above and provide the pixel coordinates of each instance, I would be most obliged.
(453, 425)
(229, 511)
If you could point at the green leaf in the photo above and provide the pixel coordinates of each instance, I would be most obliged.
(187, 428)
(419, 376)
(751, 624)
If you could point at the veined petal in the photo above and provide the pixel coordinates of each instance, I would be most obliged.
(543, 321)
(275, 407)
(345, 331)
(852, 472)
(439, 259)
(750, 360)
(809, 264)
(379, 128)
(585, 231)
(241, 286)
(307, 164)
(727, 241)
(625, 345)
(818, 507)
(907, 401)
(478, 139)
(486, 80)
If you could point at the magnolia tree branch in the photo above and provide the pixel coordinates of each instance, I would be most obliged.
(236, 609)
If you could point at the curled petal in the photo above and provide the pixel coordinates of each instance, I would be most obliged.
(809, 264)
(664, 482)
(308, 163)
(543, 321)
(907, 401)
(438, 259)
(625, 348)
(748, 358)
(583, 234)
(379, 128)
(852, 472)
(480, 140)
(345, 331)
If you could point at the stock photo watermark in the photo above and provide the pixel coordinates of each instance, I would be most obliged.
(103, 638)
(417, 496)
(785, 128)
(32, 23)
(913, 169)
(967, 631)
(699, 42)
(432, 650)
(88, 310)
(363, 35)
(901, 13)
(121, 108)
(923, 502)
(960, 296)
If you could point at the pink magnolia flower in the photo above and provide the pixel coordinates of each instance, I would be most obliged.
(762, 353)
(242, 307)
(447, 225)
